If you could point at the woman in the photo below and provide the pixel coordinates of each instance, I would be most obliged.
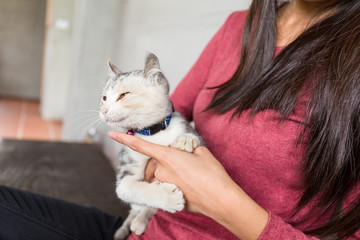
(282, 127)
(285, 127)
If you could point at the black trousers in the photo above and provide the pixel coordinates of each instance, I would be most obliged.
(28, 216)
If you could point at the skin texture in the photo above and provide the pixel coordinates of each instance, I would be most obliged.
(296, 16)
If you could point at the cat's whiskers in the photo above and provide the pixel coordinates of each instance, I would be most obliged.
(91, 124)
(98, 124)
(86, 126)
(83, 111)
(81, 118)
(83, 123)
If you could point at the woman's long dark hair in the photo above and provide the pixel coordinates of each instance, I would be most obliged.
(325, 59)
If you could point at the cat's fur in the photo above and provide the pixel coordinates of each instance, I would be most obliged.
(136, 100)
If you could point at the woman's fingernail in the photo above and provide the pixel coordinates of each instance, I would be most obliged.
(112, 135)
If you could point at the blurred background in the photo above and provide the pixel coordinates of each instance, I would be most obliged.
(54, 53)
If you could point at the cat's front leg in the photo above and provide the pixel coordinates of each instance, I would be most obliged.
(140, 222)
(124, 231)
(165, 196)
(187, 142)
(136, 221)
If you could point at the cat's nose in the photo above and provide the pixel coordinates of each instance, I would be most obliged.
(104, 111)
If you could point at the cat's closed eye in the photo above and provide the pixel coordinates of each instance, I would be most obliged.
(121, 96)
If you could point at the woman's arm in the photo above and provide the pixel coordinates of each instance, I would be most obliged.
(207, 187)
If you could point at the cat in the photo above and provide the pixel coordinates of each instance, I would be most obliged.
(138, 102)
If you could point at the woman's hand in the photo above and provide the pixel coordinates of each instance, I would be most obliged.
(150, 170)
(207, 187)
(194, 173)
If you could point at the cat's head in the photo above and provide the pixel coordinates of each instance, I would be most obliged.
(136, 99)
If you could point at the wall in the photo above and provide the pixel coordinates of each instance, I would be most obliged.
(176, 31)
(95, 37)
(57, 58)
(124, 31)
(22, 31)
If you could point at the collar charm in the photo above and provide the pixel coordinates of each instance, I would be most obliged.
(130, 132)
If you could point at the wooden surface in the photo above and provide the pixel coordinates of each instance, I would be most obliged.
(70, 171)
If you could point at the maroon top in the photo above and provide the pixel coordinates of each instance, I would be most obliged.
(260, 155)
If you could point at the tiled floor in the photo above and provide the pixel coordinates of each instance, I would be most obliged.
(20, 119)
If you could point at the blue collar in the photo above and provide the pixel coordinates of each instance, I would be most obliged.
(154, 128)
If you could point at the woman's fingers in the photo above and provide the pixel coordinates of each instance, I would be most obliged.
(201, 150)
(152, 150)
(150, 170)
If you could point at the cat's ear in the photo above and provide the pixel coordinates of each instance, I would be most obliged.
(152, 65)
(113, 69)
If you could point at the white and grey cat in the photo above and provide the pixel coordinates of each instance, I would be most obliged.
(138, 102)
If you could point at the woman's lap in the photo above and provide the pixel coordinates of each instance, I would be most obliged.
(24, 215)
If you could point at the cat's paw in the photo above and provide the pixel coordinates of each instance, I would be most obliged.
(138, 226)
(173, 200)
(187, 142)
(122, 233)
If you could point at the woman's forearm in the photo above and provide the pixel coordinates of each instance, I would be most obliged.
(239, 213)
